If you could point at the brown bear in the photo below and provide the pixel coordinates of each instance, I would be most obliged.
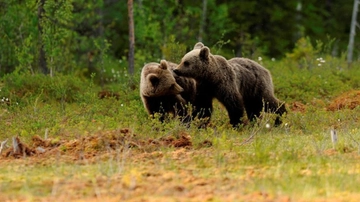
(164, 92)
(237, 83)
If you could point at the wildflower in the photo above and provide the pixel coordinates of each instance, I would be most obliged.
(122, 105)
(267, 126)
(260, 58)
(321, 60)
(273, 59)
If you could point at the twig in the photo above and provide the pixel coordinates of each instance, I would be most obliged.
(16, 145)
(3, 145)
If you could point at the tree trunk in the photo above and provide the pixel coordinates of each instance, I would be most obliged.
(352, 32)
(42, 57)
(203, 20)
(100, 34)
(131, 38)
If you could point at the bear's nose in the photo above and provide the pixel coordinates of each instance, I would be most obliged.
(177, 72)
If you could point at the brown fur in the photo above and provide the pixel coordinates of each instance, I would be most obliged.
(237, 83)
(164, 92)
(197, 95)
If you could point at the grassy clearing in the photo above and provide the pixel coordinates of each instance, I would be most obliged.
(296, 161)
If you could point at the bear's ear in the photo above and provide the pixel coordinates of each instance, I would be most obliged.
(154, 80)
(198, 45)
(163, 64)
(204, 53)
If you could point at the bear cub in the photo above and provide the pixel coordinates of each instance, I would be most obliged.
(163, 92)
(239, 83)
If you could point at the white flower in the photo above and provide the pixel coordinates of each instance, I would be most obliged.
(273, 59)
(267, 126)
(319, 64)
(259, 58)
(320, 60)
(122, 105)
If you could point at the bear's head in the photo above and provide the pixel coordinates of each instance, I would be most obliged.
(158, 80)
(195, 63)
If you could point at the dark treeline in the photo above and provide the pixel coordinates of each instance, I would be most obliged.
(81, 37)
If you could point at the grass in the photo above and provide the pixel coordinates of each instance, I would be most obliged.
(296, 161)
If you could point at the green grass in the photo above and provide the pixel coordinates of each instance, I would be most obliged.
(296, 160)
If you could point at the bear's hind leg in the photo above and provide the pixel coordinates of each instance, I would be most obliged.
(253, 109)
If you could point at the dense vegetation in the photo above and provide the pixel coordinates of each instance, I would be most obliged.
(79, 37)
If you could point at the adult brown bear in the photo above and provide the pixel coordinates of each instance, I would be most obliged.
(238, 83)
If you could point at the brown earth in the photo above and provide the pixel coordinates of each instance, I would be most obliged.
(92, 145)
(148, 183)
(347, 100)
(297, 107)
(152, 176)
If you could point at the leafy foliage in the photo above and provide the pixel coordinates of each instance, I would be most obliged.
(68, 31)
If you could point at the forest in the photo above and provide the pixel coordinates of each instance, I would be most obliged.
(80, 37)
(73, 126)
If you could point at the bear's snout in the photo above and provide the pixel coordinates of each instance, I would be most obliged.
(177, 72)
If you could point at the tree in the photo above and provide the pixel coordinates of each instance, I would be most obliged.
(42, 57)
(203, 20)
(131, 38)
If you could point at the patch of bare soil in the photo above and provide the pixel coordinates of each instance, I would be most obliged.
(93, 145)
(297, 107)
(149, 177)
(347, 100)
(108, 94)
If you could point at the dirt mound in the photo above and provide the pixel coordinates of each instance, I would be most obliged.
(297, 107)
(347, 100)
(108, 94)
(95, 144)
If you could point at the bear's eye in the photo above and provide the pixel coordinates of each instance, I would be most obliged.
(186, 63)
